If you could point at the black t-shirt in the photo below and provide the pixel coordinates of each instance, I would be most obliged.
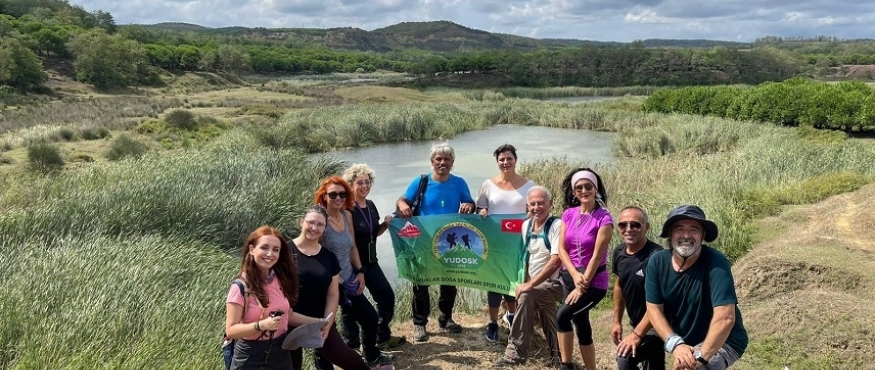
(365, 232)
(315, 274)
(630, 272)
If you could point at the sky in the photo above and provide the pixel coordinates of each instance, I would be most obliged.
(600, 20)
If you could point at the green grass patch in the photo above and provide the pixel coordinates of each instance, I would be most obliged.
(768, 200)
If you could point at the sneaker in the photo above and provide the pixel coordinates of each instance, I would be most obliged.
(450, 327)
(508, 318)
(505, 361)
(419, 333)
(393, 342)
(492, 331)
(382, 359)
(567, 366)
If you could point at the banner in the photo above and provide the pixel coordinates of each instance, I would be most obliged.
(461, 250)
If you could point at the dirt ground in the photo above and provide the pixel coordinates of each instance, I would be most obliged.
(807, 297)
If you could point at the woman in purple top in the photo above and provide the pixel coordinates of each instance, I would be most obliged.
(587, 228)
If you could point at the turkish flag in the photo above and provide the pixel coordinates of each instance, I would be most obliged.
(514, 225)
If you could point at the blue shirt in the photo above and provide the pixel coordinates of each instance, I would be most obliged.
(441, 197)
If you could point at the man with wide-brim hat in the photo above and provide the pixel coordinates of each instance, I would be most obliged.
(690, 293)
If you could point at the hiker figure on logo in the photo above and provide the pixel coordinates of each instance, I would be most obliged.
(467, 241)
(451, 238)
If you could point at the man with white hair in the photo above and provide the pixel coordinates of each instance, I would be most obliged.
(538, 295)
(441, 193)
(691, 300)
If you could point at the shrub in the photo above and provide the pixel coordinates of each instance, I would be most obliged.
(67, 134)
(181, 119)
(152, 126)
(44, 158)
(4, 159)
(93, 133)
(125, 147)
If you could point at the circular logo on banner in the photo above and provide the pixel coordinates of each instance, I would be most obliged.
(459, 245)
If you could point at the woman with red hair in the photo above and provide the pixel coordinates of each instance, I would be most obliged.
(259, 308)
(336, 196)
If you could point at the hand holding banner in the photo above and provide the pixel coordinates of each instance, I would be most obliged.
(461, 250)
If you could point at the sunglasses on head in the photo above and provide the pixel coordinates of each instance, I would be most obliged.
(335, 194)
(632, 225)
(586, 186)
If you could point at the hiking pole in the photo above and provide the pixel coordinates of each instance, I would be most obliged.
(275, 313)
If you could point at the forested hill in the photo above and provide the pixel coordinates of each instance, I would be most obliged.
(439, 36)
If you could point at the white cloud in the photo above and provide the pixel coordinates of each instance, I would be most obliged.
(607, 20)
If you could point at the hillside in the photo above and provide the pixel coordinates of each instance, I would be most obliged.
(440, 36)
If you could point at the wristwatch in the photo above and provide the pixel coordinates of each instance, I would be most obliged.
(359, 270)
(698, 355)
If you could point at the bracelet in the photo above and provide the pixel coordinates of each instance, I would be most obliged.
(257, 326)
(636, 334)
(672, 343)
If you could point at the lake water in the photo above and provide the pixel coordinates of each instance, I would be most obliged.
(397, 165)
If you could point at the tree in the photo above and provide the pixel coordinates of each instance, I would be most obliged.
(233, 59)
(108, 61)
(19, 66)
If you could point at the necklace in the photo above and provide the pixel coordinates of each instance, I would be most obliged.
(368, 220)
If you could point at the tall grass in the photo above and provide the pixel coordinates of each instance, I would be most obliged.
(570, 91)
(758, 169)
(327, 128)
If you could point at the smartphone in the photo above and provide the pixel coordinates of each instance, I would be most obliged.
(276, 313)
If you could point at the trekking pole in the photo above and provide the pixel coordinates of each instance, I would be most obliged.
(270, 338)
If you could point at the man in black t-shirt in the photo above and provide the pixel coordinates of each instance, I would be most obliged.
(642, 345)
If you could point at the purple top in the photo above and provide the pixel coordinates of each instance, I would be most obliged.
(580, 237)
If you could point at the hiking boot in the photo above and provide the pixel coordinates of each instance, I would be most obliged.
(393, 342)
(382, 359)
(492, 331)
(419, 333)
(450, 327)
(505, 361)
(508, 318)
(567, 366)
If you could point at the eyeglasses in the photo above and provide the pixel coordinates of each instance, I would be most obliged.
(335, 194)
(363, 182)
(315, 224)
(634, 225)
(586, 186)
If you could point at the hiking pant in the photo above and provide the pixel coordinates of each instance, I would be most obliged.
(649, 354)
(422, 304)
(384, 299)
(334, 351)
(537, 305)
(723, 359)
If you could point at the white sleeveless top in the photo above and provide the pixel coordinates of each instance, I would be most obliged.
(500, 201)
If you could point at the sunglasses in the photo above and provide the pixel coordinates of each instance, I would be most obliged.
(586, 186)
(632, 225)
(334, 195)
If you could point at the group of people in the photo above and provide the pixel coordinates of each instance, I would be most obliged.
(680, 300)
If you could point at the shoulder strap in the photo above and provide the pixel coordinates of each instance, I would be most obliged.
(420, 192)
(243, 288)
(546, 231)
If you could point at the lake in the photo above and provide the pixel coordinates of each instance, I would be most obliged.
(397, 164)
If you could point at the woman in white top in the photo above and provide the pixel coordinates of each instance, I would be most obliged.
(503, 194)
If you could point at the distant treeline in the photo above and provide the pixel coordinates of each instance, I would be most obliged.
(107, 55)
(847, 106)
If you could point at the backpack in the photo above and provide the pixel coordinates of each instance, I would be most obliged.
(227, 343)
(545, 230)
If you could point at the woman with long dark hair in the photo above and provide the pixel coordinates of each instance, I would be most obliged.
(587, 228)
(259, 309)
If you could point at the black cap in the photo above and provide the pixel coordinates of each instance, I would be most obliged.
(690, 212)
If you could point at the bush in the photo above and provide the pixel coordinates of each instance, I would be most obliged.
(152, 126)
(93, 133)
(44, 158)
(5, 160)
(181, 119)
(125, 147)
(67, 134)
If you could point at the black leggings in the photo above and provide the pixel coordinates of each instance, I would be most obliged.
(335, 351)
(578, 313)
